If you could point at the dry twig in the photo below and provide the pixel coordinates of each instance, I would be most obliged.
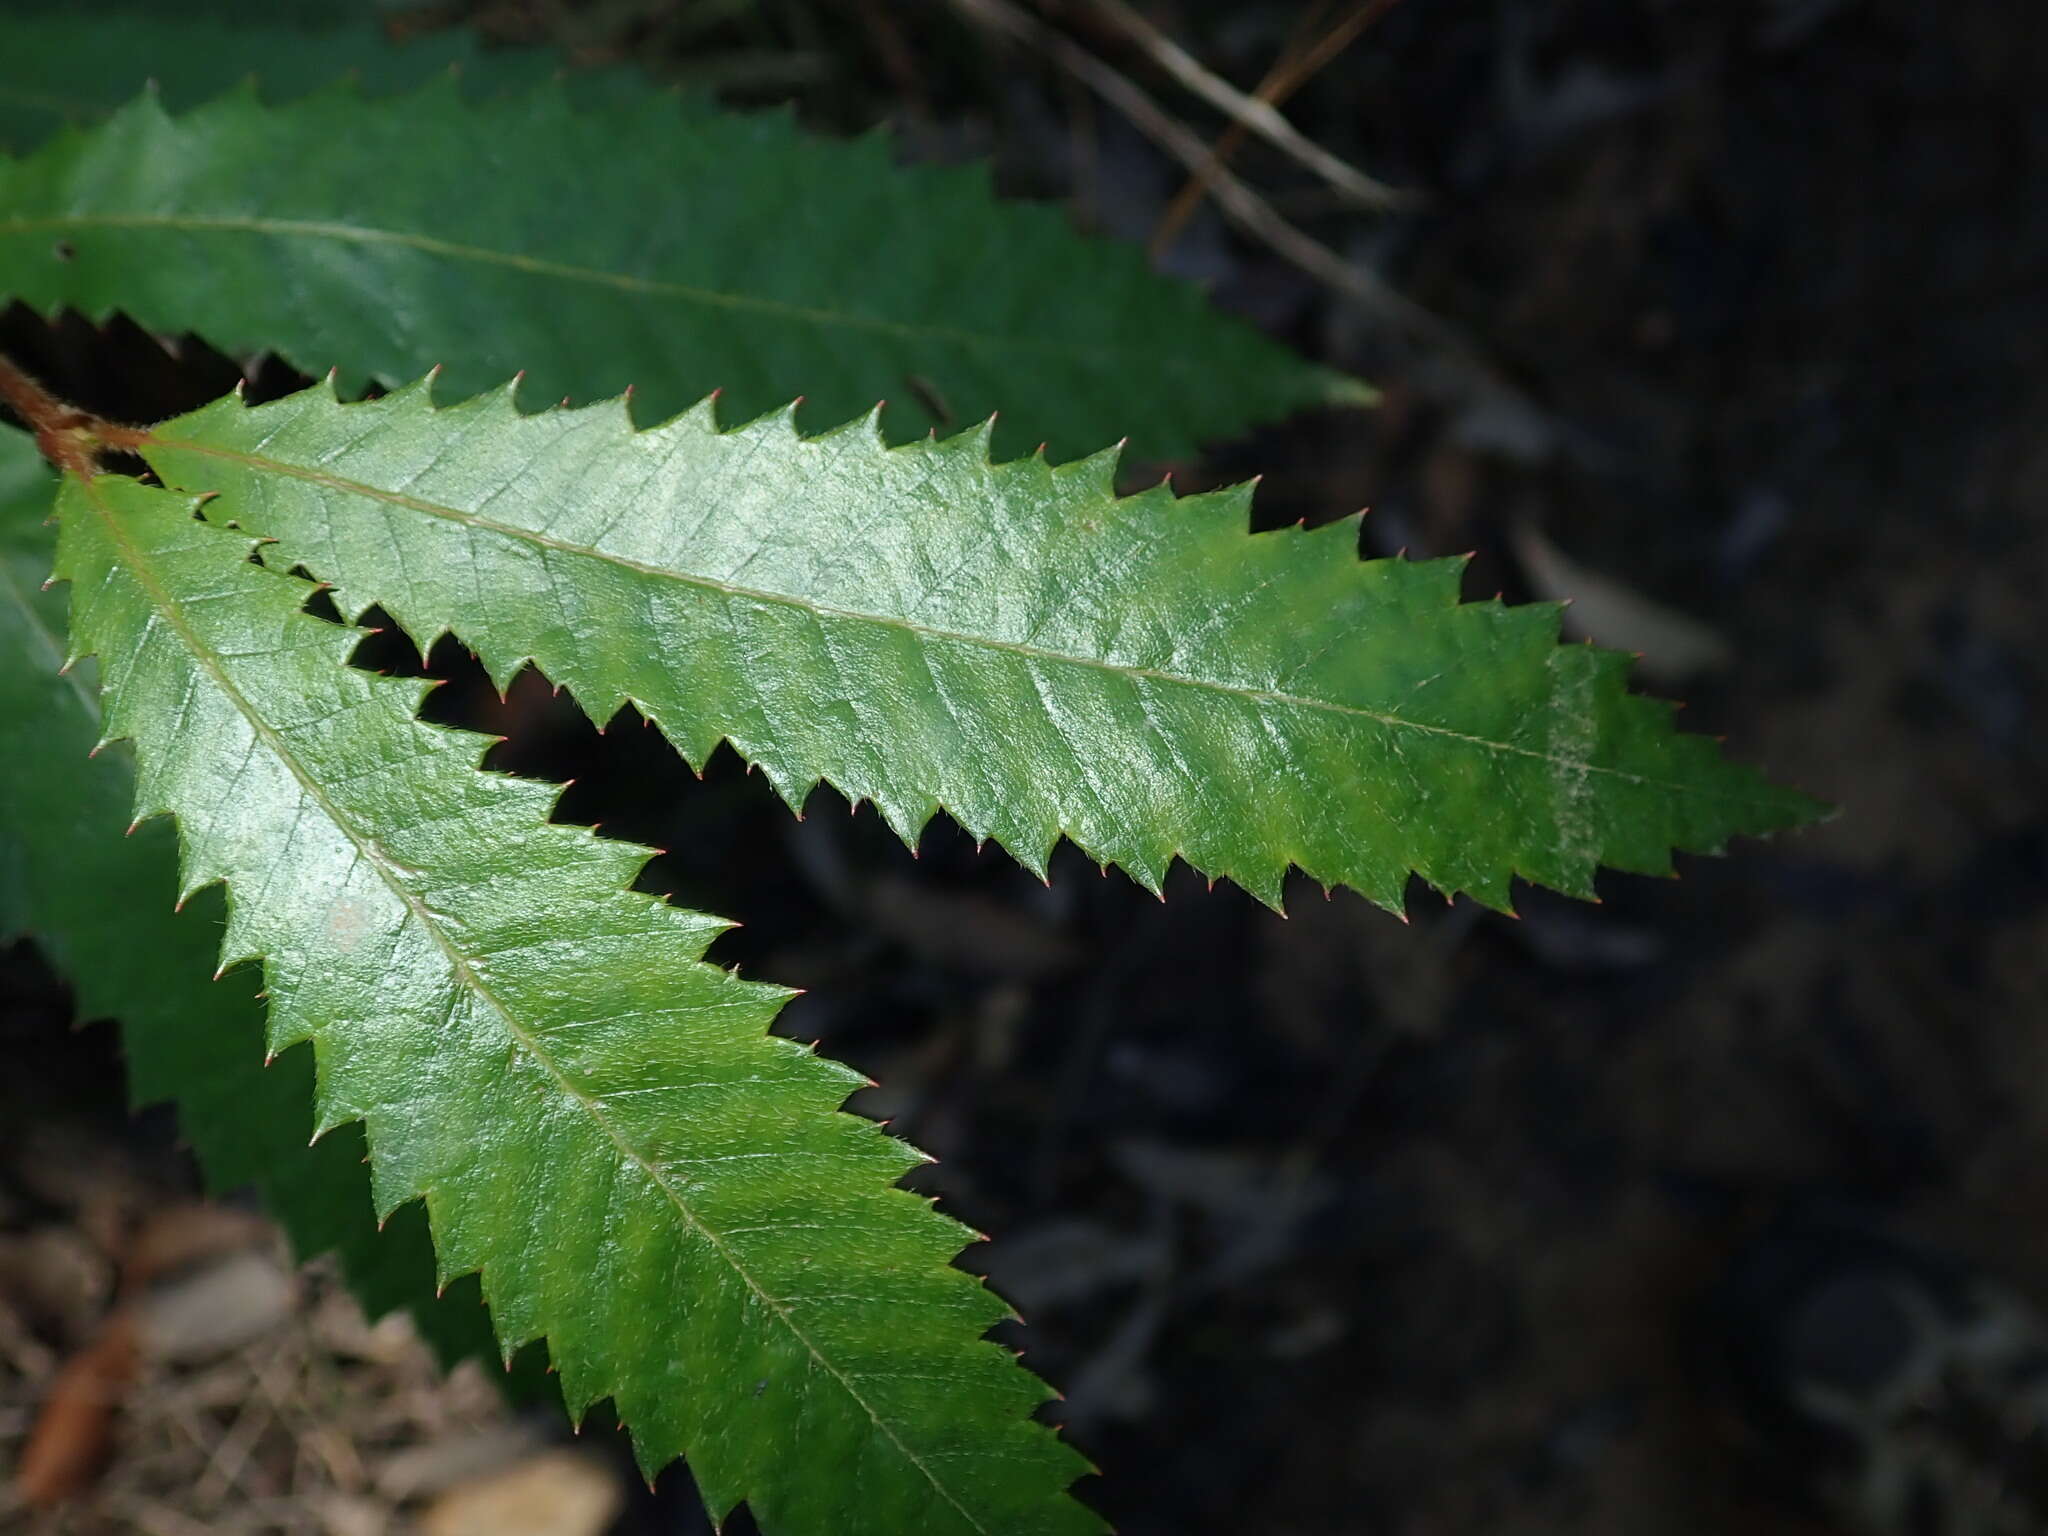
(1255, 113)
(1456, 367)
(1298, 63)
(1238, 202)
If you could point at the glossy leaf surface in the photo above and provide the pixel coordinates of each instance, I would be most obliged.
(630, 245)
(598, 1121)
(1010, 642)
(100, 904)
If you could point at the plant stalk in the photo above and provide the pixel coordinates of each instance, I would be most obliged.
(70, 438)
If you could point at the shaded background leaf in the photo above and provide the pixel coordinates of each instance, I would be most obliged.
(72, 65)
(631, 245)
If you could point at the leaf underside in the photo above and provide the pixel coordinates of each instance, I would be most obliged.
(597, 1120)
(1010, 642)
(100, 905)
(629, 245)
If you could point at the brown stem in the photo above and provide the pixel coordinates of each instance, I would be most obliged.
(67, 436)
(1299, 61)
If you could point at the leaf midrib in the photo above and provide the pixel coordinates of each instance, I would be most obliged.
(368, 849)
(1382, 718)
(539, 266)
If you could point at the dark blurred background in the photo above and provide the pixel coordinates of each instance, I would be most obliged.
(1328, 1224)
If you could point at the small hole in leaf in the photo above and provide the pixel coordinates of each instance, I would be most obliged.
(64, 250)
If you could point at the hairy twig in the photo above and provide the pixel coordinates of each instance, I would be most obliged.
(35, 405)
(1255, 113)
(68, 437)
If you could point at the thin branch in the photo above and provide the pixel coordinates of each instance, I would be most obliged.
(1280, 82)
(1238, 202)
(1460, 368)
(1257, 114)
(65, 435)
(1334, 42)
(35, 405)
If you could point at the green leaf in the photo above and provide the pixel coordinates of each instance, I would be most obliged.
(634, 246)
(100, 905)
(74, 64)
(597, 1119)
(923, 629)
